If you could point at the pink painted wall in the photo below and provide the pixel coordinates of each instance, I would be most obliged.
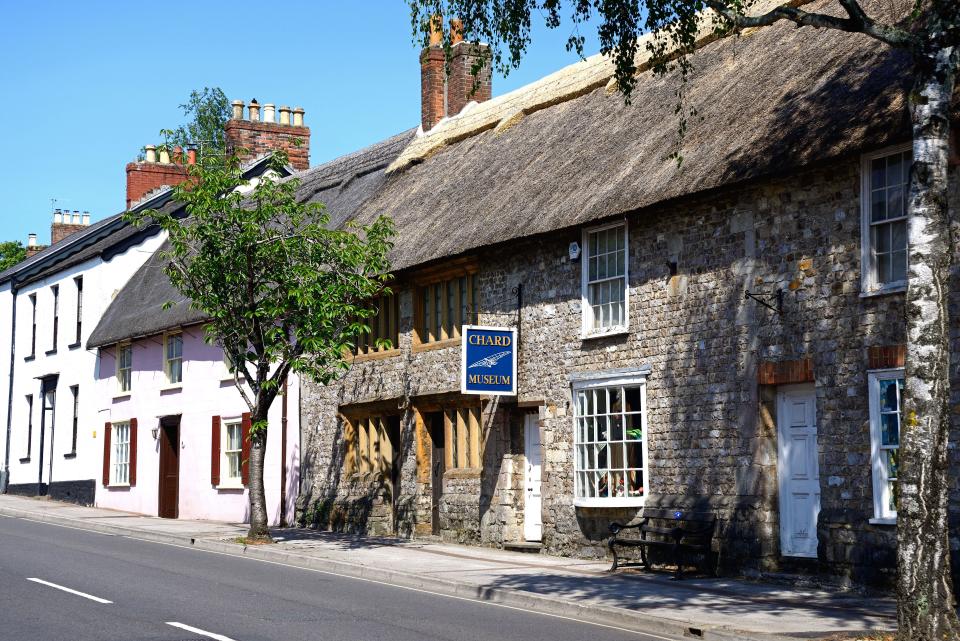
(207, 390)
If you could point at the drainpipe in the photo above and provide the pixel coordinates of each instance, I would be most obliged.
(5, 475)
(283, 457)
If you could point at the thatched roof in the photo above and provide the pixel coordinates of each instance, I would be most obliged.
(769, 101)
(566, 150)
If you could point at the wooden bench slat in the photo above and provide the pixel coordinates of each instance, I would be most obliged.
(680, 531)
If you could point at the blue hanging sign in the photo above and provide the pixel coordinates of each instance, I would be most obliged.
(489, 364)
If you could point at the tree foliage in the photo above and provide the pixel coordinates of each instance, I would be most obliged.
(283, 291)
(208, 111)
(11, 253)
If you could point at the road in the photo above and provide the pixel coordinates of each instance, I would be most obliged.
(59, 583)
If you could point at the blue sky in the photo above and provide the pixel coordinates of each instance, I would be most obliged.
(85, 85)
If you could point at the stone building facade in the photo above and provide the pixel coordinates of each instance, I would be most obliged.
(724, 336)
(717, 360)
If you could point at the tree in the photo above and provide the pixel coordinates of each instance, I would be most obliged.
(11, 253)
(209, 111)
(929, 30)
(281, 290)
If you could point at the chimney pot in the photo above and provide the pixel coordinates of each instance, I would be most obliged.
(298, 116)
(284, 115)
(456, 31)
(57, 217)
(436, 30)
(151, 153)
(164, 156)
(178, 154)
(191, 156)
(269, 113)
(237, 106)
(86, 218)
(254, 111)
(31, 240)
(76, 217)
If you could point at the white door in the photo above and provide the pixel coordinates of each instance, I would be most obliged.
(798, 470)
(533, 501)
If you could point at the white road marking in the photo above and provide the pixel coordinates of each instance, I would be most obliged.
(78, 593)
(383, 583)
(182, 626)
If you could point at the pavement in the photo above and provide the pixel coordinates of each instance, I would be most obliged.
(580, 590)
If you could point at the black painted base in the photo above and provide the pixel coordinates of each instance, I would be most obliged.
(79, 492)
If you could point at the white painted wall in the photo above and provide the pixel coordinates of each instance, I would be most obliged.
(75, 366)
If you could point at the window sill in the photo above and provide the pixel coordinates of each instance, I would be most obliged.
(125, 396)
(625, 501)
(231, 380)
(375, 356)
(27, 359)
(70, 455)
(73, 345)
(231, 486)
(25, 459)
(883, 291)
(118, 486)
(886, 520)
(50, 352)
(619, 331)
(171, 388)
(426, 347)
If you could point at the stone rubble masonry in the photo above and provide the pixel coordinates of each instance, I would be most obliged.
(716, 360)
(257, 138)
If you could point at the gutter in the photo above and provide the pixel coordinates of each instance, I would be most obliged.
(5, 473)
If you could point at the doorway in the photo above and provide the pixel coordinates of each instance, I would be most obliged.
(435, 428)
(169, 485)
(798, 470)
(533, 498)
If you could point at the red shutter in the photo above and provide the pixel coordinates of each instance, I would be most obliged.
(106, 454)
(133, 452)
(245, 453)
(215, 452)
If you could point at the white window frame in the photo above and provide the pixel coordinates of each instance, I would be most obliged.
(881, 491)
(631, 380)
(124, 389)
(120, 454)
(167, 361)
(869, 285)
(227, 481)
(588, 330)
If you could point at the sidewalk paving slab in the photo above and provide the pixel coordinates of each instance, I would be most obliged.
(707, 608)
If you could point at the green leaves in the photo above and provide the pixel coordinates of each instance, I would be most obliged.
(11, 253)
(282, 290)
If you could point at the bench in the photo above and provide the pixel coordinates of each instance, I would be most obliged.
(677, 532)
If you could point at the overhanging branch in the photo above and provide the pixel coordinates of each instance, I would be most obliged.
(856, 22)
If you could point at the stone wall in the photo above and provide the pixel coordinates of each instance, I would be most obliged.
(711, 407)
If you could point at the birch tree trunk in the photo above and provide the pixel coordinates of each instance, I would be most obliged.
(259, 525)
(925, 602)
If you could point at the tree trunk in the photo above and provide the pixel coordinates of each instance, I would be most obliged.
(925, 603)
(259, 525)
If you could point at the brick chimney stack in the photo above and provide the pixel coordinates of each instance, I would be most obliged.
(440, 95)
(64, 224)
(32, 247)
(461, 87)
(253, 137)
(433, 78)
(156, 170)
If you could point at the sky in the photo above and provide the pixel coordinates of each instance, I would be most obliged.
(85, 85)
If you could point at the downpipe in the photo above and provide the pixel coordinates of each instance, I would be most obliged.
(5, 473)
